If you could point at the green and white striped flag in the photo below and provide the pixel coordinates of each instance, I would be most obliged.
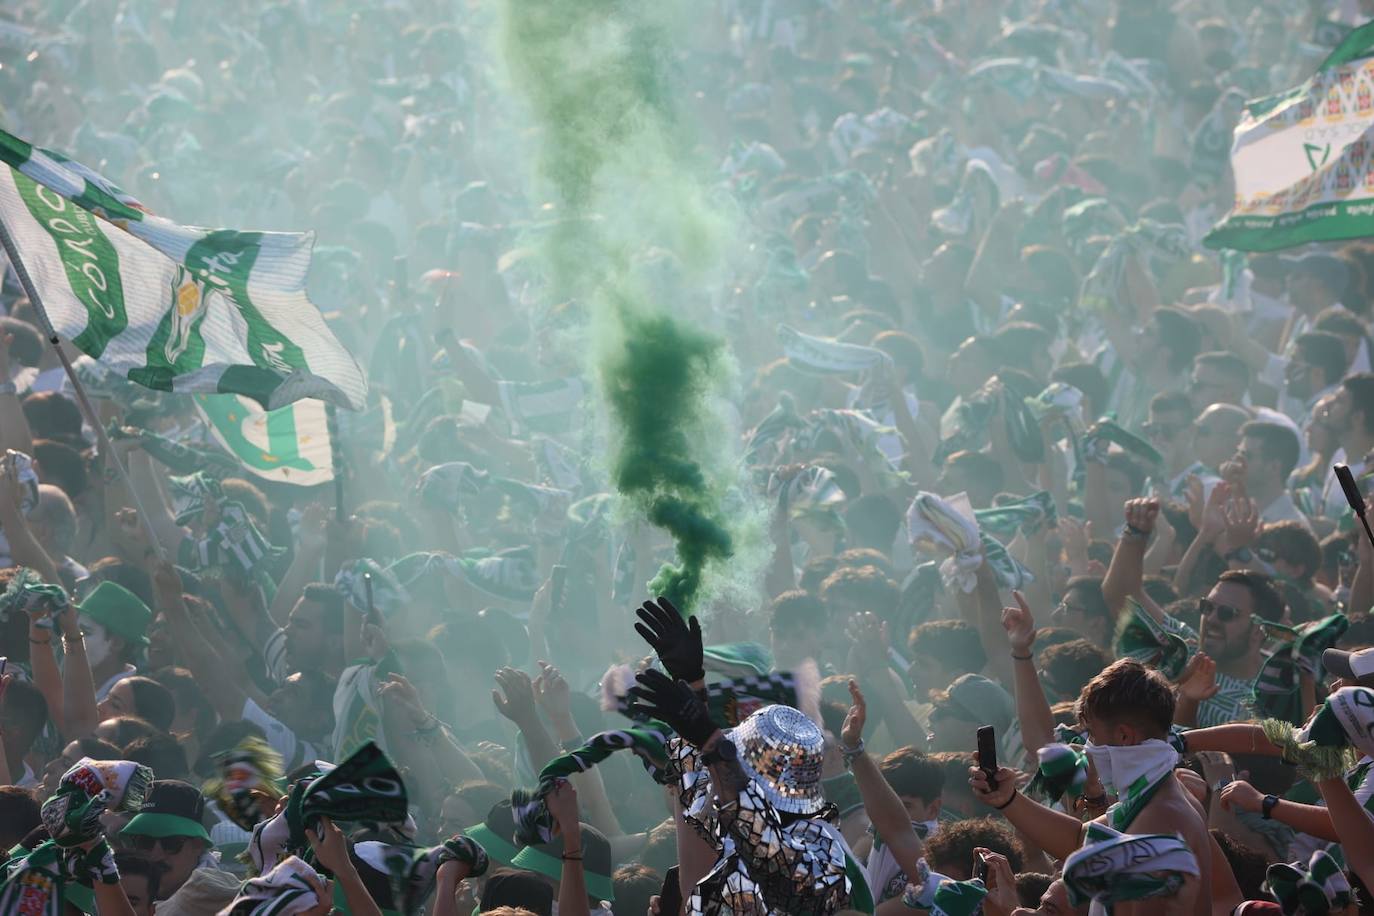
(171, 307)
(291, 444)
(1304, 158)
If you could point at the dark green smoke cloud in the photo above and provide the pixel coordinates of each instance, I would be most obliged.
(630, 211)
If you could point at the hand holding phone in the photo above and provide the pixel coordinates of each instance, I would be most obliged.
(987, 754)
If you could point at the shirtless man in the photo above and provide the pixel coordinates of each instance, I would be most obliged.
(1126, 711)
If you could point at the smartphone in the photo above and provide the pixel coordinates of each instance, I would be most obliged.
(401, 277)
(670, 894)
(558, 578)
(4, 663)
(372, 616)
(980, 867)
(987, 754)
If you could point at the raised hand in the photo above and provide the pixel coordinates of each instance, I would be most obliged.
(1141, 514)
(562, 803)
(515, 699)
(869, 634)
(1198, 682)
(852, 732)
(1243, 523)
(674, 703)
(999, 797)
(552, 693)
(1019, 623)
(677, 641)
(330, 848)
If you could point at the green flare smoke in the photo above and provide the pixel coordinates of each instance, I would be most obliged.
(629, 211)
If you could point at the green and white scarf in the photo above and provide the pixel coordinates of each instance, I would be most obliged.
(191, 493)
(959, 898)
(936, 528)
(366, 788)
(27, 593)
(1277, 687)
(533, 821)
(1133, 774)
(1106, 432)
(411, 871)
(388, 595)
(176, 456)
(1314, 889)
(828, 357)
(234, 541)
(283, 891)
(1063, 770)
(1027, 515)
(1141, 637)
(1115, 867)
(87, 791)
(35, 883)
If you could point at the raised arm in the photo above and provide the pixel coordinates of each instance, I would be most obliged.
(1053, 831)
(14, 426)
(1353, 827)
(515, 701)
(228, 697)
(869, 652)
(80, 715)
(305, 564)
(885, 810)
(553, 695)
(24, 547)
(572, 884)
(1032, 707)
(1126, 575)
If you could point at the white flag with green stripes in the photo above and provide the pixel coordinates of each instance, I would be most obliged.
(291, 444)
(171, 307)
(1304, 159)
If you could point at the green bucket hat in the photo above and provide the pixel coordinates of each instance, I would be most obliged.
(118, 610)
(546, 859)
(496, 834)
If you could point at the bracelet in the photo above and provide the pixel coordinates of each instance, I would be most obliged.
(1133, 532)
(1022, 658)
(1014, 793)
(572, 857)
(40, 642)
(851, 752)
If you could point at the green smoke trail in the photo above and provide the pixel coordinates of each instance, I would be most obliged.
(594, 75)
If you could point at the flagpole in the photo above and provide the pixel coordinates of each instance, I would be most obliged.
(336, 459)
(102, 441)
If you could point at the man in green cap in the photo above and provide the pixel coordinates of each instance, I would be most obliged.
(170, 830)
(114, 623)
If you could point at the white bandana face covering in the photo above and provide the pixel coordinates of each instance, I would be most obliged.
(1121, 768)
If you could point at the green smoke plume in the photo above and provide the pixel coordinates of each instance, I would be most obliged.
(636, 239)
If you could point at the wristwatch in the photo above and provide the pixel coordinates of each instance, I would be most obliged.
(1267, 806)
(724, 752)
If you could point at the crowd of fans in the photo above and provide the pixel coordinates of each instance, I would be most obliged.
(1032, 458)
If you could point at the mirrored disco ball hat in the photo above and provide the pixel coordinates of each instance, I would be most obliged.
(780, 749)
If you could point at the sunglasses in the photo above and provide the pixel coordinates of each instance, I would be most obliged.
(170, 844)
(1224, 612)
(1063, 609)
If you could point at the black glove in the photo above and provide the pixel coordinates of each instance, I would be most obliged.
(677, 641)
(674, 703)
